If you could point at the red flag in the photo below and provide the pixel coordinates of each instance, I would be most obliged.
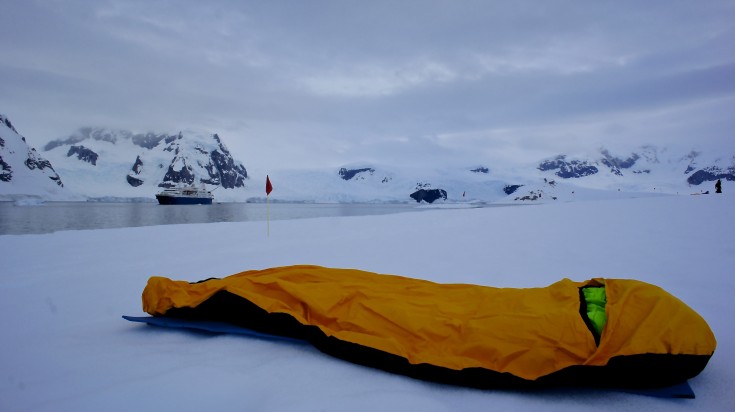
(268, 185)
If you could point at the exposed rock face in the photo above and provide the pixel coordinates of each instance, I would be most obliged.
(231, 174)
(133, 181)
(481, 169)
(510, 189)
(178, 173)
(710, 174)
(219, 168)
(83, 154)
(349, 174)
(137, 166)
(568, 169)
(34, 161)
(429, 195)
(9, 125)
(6, 172)
(615, 163)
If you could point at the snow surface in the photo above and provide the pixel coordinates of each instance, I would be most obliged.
(66, 348)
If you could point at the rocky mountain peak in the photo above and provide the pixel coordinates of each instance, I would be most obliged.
(120, 163)
(22, 169)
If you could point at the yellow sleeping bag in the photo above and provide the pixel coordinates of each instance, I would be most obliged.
(458, 333)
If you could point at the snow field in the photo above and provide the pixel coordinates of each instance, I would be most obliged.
(65, 347)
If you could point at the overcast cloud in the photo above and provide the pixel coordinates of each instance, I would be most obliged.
(326, 83)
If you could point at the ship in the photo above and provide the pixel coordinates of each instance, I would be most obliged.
(185, 196)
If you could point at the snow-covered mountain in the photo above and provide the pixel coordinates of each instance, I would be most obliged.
(647, 169)
(109, 164)
(104, 163)
(23, 172)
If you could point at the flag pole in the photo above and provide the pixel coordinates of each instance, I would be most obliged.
(268, 213)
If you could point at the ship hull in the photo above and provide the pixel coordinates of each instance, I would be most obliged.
(172, 200)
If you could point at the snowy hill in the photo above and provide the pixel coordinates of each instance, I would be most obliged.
(378, 183)
(104, 163)
(23, 172)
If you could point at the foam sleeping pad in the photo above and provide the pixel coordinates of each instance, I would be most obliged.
(461, 334)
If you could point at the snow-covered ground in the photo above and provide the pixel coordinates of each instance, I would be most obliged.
(66, 348)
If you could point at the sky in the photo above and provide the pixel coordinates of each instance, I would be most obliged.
(311, 84)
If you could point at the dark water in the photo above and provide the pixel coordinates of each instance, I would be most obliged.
(54, 216)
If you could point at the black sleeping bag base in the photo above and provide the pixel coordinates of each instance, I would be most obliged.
(680, 390)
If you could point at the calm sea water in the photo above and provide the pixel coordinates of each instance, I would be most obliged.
(54, 216)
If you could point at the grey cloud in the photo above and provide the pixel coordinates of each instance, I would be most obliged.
(351, 79)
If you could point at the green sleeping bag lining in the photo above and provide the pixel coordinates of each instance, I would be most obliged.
(595, 302)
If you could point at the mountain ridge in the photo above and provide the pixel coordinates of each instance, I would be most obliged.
(114, 164)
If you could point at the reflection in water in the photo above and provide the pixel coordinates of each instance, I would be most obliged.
(55, 216)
